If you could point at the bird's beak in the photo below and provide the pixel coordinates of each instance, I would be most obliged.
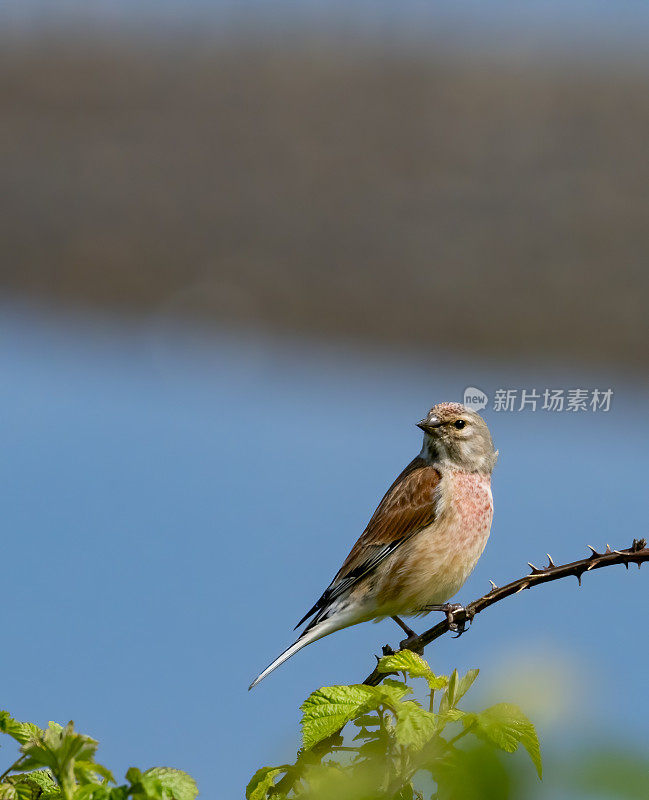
(429, 423)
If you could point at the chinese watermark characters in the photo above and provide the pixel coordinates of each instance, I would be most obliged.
(550, 400)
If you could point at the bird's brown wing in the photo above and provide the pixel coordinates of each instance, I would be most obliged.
(407, 507)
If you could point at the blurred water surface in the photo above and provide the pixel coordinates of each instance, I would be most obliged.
(173, 501)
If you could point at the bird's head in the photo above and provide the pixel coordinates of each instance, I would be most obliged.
(459, 436)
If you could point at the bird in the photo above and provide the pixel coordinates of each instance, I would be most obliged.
(424, 539)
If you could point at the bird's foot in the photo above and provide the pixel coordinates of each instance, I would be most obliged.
(457, 616)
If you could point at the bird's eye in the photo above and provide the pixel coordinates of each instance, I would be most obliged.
(459, 424)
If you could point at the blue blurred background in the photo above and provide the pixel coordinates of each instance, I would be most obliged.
(245, 248)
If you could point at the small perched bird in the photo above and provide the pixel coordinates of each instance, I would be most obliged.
(423, 540)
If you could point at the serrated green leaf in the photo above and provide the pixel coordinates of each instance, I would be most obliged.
(506, 726)
(326, 710)
(400, 686)
(452, 715)
(456, 689)
(7, 791)
(57, 749)
(91, 772)
(415, 727)
(26, 792)
(413, 665)
(20, 731)
(178, 784)
(391, 692)
(262, 781)
(465, 683)
(41, 783)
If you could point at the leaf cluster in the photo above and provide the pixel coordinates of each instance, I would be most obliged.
(58, 763)
(382, 743)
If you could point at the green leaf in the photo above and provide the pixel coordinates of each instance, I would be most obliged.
(57, 749)
(375, 748)
(262, 781)
(456, 689)
(326, 780)
(415, 727)
(326, 710)
(92, 791)
(20, 731)
(367, 720)
(464, 684)
(452, 715)
(90, 772)
(26, 792)
(399, 686)
(363, 733)
(40, 784)
(506, 726)
(178, 784)
(133, 775)
(391, 692)
(413, 665)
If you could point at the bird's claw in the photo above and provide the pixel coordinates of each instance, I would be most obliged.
(457, 617)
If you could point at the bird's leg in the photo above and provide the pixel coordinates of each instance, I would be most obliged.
(409, 643)
(404, 627)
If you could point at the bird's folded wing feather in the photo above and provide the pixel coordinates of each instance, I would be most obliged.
(407, 508)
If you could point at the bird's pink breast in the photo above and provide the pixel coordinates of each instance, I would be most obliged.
(472, 503)
(434, 565)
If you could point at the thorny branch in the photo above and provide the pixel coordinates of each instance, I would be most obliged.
(638, 553)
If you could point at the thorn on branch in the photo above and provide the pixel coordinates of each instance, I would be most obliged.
(551, 564)
(493, 586)
(608, 550)
(594, 552)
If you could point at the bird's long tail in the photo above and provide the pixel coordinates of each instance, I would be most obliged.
(311, 634)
